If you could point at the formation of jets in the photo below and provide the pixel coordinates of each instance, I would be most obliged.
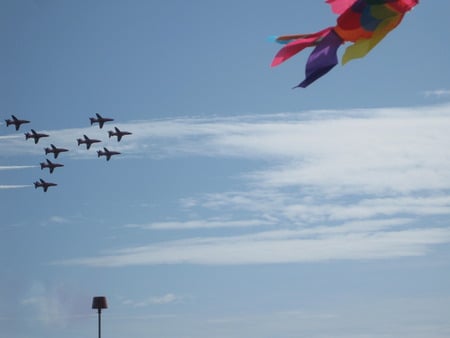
(36, 136)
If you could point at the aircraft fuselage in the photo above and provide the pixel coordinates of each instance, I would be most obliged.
(34, 135)
(107, 153)
(15, 121)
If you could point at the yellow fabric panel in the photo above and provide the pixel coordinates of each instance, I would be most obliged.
(363, 46)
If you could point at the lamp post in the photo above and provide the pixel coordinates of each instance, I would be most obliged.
(99, 303)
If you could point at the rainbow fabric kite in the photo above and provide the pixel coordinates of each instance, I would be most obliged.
(363, 22)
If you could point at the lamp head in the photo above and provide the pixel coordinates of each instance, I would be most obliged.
(99, 303)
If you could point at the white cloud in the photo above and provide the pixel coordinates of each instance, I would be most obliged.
(437, 93)
(357, 184)
(369, 208)
(52, 305)
(287, 247)
(47, 307)
(167, 298)
(375, 155)
(199, 224)
(310, 207)
(58, 219)
(321, 135)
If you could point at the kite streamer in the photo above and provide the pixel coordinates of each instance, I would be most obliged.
(363, 22)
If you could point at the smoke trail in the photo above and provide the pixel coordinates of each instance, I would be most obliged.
(14, 186)
(14, 167)
(7, 137)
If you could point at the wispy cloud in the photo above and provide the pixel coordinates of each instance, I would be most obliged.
(437, 93)
(48, 309)
(356, 184)
(369, 208)
(310, 208)
(285, 247)
(167, 298)
(51, 305)
(199, 224)
(59, 219)
(281, 136)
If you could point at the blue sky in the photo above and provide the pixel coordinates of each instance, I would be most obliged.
(238, 207)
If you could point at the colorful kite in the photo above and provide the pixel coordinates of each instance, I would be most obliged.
(363, 22)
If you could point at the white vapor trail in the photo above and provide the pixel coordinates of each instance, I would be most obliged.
(15, 186)
(14, 167)
(8, 137)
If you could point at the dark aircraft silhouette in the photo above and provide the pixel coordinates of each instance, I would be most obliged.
(107, 153)
(100, 120)
(118, 133)
(88, 141)
(55, 150)
(50, 165)
(35, 136)
(14, 120)
(44, 185)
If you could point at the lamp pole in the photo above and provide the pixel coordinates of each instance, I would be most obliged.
(99, 303)
(99, 323)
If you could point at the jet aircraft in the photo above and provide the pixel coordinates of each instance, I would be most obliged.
(44, 185)
(118, 133)
(107, 153)
(55, 150)
(88, 141)
(35, 136)
(15, 121)
(100, 120)
(50, 165)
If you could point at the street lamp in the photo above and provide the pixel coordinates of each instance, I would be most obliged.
(99, 303)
